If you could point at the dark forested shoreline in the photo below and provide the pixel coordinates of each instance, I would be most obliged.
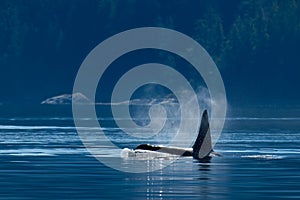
(254, 43)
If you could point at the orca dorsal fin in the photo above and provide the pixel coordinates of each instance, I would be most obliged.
(203, 146)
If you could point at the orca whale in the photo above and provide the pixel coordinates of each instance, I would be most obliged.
(202, 148)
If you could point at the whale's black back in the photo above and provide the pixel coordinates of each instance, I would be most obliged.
(201, 148)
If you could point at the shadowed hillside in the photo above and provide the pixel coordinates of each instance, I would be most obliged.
(254, 43)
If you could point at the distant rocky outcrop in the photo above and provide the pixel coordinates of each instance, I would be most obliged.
(79, 98)
(64, 99)
(142, 102)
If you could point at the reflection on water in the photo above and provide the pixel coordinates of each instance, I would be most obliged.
(260, 159)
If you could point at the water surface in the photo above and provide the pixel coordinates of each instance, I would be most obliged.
(43, 158)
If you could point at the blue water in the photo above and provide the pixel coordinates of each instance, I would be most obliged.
(41, 157)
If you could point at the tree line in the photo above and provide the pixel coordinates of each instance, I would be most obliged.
(45, 35)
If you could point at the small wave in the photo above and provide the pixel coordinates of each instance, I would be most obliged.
(17, 127)
(264, 157)
(42, 152)
(31, 154)
(54, 119)
(264, 118)
(19, 161)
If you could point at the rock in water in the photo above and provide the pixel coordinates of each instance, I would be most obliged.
(63, 99)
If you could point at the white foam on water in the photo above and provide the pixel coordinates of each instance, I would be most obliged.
(145, 155)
